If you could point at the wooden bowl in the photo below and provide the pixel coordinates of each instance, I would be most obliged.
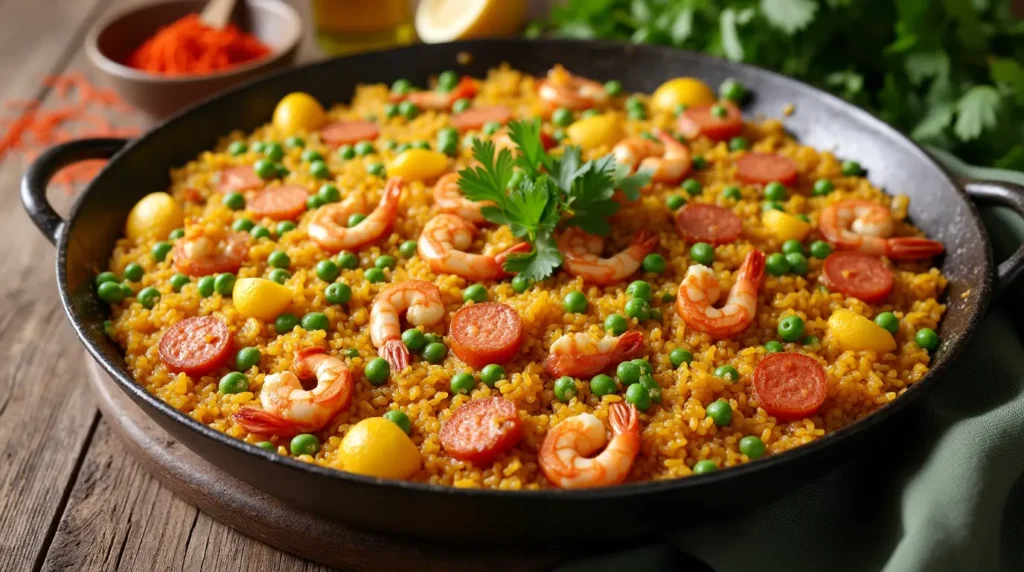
(110, 43)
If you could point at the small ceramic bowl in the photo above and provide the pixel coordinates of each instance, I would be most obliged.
(110, 43)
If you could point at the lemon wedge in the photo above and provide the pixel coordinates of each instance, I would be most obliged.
(447, 20)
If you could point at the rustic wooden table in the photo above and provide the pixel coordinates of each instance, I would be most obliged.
(70, 496)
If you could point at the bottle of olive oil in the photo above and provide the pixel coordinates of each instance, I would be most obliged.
(350, 26)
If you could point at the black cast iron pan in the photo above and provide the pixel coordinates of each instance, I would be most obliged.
(938, 205)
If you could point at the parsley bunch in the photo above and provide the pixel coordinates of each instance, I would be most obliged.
(948, 72)
(535, 193)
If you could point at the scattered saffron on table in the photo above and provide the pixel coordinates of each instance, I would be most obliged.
(189, 47)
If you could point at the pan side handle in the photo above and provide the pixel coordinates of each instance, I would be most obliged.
(39, 173)
(1010, 195)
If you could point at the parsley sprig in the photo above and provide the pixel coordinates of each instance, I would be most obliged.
(535, 193)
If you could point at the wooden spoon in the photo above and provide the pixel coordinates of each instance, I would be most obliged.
(217, 13)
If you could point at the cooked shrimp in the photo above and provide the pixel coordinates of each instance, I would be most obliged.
(421, 302)
(667, 161)
(700, 290)
(866, 227)
(200, 254)
(579, 356)
(443, 242)
(288, 409)
(581, 254)
(565, 453)
(563, 89)
(448, 198)
(433, 99)
(329, 226)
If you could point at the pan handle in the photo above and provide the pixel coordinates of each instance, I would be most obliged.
(1010, 195)
(39, 173)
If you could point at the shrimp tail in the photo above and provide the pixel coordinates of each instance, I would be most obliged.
(392, 191)
(303, 366)
(265, 423)
(753, 267)
(629, 346)
(501, 257)
(396, 354)
(624, 418)
(912, 248)
(645, 240)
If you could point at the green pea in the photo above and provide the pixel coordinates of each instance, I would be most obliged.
(267, 446)
(704, 467)
(720, 412)
(242, 225)
(639, 396)
(449, 147)
(773, 347)
(279, 259)
(374, 275)
(110, 292)
(728, 373)
(775, 191)
(752, 446)
(639, 289)
(822, 187)
(391, 110)
(616, 324)
(327, 270)
(347, 260)
(347, 152)
(652, 387)
(224, 284)
(233, 382)
(350, 352)
(674, 202)
(148, 297)
(927, 339)
(791, 328)
(178, 282)
(461, 105)
(558, 135)
(852, 169)
(285, 227)
(247, 358)
(637, 113)
(282, 171)
(474, 293)
(888, 321)
(434, 339)
(435, 352)
(338, 293)
(377, 371)
(407, 248)
(645, 366)
(160, 251)
(804, 217)
(699, 162)
(637, 308)
(561, 117)
(773, 206)
(520, 283)
(375, 169)
(719, 111)
(613, 88)
(127, 290)
(355, 218)
(628, 373)
(176, 234)
(565, 388)
(328, 193)
(668, 297)
(491, 127)
(420, 145)
(237, 148)
(692, 187)
(294, 142)
(363, 148)
(385, 261)
(462, 383)
(634, 102)
(273, 151)
(797, 263)
(737, 144)
(654, 263)
(679, 356)
(791, 246)
(401, 86)
(408, 110)
(279, 275)
(312, 156)
(575, 303)
(732, 192)
(776, 264)
(285, 323)
(401, 419)
(259, 231)
(447, 134)
(601, 385)
(491, 373)
(105, 277)
(820, 249)
(702, 253)
(258, 146)
(732, 90)
(304, 444)
(205, 286)
(402, 148)
(133, 272)
(315, 321)
(811, 341)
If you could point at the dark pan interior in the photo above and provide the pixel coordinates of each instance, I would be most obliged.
(820, 120)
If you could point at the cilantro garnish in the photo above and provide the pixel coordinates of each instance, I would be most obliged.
(551, 192)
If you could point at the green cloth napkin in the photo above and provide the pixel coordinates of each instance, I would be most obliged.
(948, 494)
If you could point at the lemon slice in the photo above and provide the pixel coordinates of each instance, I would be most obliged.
(447, 20)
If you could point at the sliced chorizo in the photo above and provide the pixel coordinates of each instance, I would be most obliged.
(477, 117)
(196, 345)
(486, 333)
(700, 120)
(279, 203)
(764, 168)
(238, 179)
(708, 223)
(857, 274)
(349, 132)
(481, 430)
(790, 386)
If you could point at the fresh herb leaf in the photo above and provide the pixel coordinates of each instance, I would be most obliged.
(976, 112)
(926, 65)
(488, 181)
(532, 156)
(539, 263)
(731, 46)
(1010, 75)
(789, 16)
(630, 185)
(934, 124)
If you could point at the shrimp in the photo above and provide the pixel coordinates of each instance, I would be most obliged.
(867, 227)
(577, 355)
(433, 99)
(421, 302)
(442, 245)
(562, 89)
(700, 289)
(564, 454)
(581, 254)
(448, 198)
(329, 226)
(200, 253)
(667, 161)
(288, 409)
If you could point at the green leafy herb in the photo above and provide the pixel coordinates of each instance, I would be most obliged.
(553, 192)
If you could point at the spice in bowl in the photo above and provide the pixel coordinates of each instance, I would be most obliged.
(190, 47)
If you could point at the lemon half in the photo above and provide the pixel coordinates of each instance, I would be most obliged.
(447, 20)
